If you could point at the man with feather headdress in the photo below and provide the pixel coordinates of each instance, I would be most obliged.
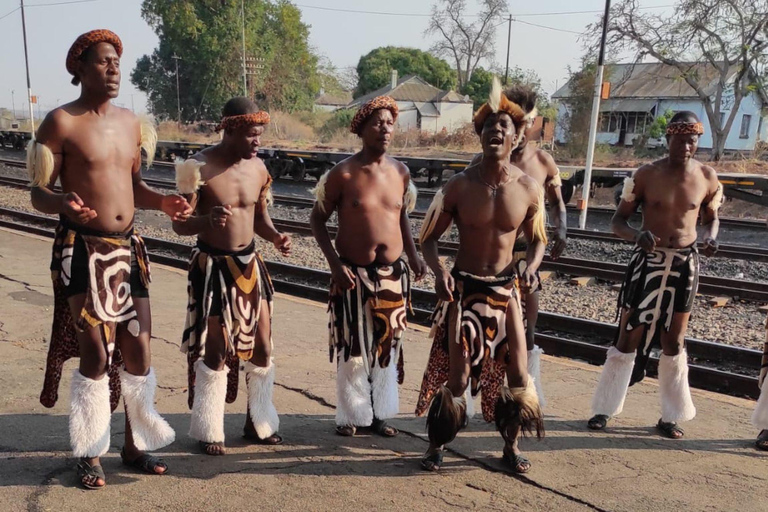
(99, 267)
(478, 331)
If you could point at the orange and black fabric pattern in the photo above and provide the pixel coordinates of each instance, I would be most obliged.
(231, 123)
(367, 110)
(685, 129)
(89, 39)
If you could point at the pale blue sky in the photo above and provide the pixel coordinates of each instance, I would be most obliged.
(342, 37)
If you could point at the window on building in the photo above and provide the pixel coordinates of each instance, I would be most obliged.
(746, 120)
(605, 121)
(631, 122)
(614, 126)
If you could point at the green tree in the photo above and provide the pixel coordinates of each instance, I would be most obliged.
(207, 36)
(479, 86)
(374, 69)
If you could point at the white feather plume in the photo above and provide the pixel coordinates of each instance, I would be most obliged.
(494, 98)
(188, 178)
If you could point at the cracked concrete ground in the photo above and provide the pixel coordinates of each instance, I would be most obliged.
(627, 468)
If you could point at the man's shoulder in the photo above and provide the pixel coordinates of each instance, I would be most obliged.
(529, 184)
(707, 171)
(398, 165)
(646, 170)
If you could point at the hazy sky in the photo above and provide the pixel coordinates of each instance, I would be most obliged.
(342, 37)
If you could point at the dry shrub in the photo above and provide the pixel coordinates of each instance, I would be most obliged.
(462, 139)
(196, 132)
(284, 126)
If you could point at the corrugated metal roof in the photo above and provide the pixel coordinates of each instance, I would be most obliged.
(427, 110)
(334, 99)
(655, 80)
(412, 88)
(627, 105)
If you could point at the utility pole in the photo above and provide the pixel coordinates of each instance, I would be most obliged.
(245, 74)
(587, 185)
(178, 101)
(26, 61)
(509, 41)
(13, 103)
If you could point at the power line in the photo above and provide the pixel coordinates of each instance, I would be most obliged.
(9, 13)
(355, 11)
(544, 26)
(564, 13)
(62, 3)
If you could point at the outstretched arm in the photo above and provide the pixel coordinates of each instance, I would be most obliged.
(263, 227)
(438, 219)
(710, 221)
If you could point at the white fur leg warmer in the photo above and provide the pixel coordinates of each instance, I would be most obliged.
(353, 393)
(470, 402)
(386, 400)
(676, 403)
(613, 384)
(760, 415)
(150, 430)
(260, 381)
(89, 416)
(207, 422)
(534, 370)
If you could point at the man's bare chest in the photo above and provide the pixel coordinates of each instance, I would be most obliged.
(482, 210)
(235, 189)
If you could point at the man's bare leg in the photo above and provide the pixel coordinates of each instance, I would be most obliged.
(137, 359)
(676, 404)
(517, 377)
(93, 365)
(458, 380)
(262, 360)
(623, 359)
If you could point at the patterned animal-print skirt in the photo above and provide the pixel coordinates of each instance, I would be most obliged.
(232, 286)
(370, 319)
(110, 270)
(656, 286)
(480, 305)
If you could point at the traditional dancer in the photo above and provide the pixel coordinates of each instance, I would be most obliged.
(99, 267)
(760, 416)
(539, 165)
(372, 194)
(659, 289)
(477, 325)
(229, 313)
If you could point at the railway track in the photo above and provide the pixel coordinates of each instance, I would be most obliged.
(714, 366)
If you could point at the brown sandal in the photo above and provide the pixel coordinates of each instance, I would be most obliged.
(85, 470)
(346, 430)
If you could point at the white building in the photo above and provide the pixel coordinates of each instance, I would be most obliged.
(326, 102)
(640, 92)
(423, 106)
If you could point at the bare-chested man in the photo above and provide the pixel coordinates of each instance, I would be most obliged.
(229, 314)
(659, 289)
(372, 194)
(100, 267)
(539, 165)
(478, 327)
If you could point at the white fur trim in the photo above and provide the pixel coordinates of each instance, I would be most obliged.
(261, 381)
(613, 384)
(717, 199)
(148, 138)
(386, 400)
(89, 416)
(760, 414)
(188, 178)
(494, 97)
(628, 192)
(150, 430)
(470, 400)
(40, 164)
(207, 422)
(530, 117)
(319, 191)
(534, 370)
(433, 213)
(555, 182)
(676, 403)
(353, 393)
(410, 197)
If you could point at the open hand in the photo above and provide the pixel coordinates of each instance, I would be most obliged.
(647, 241)
(559, 245)
(283, 244)
(419, 267)
(444, 286)
(528, 281)
(75, 209)
(176, 207)
(710, 247)
(219, 215)
(343, 279)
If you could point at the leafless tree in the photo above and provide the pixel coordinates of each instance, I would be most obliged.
(728, 35)
(460, 40)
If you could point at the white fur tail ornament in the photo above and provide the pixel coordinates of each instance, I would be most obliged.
(150, 430)
(207, 422)
(717, 199)
(261, 381)
(148, 139)
(540, 216)
(430, 220)
(555, 182)
(628, 192)
(319, 191)
(534, 370)
(410, 197)
(612, 387)
(40, 164)
(188, 177)
(494, 98)
(89, 416)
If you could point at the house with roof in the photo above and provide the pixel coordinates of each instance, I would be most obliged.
(423, 106)
(640, 92)
(328, 102)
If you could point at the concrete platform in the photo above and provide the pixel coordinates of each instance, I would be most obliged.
(626, 468)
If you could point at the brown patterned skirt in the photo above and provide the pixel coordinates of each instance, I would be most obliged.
(480, 304)
(231, 286)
